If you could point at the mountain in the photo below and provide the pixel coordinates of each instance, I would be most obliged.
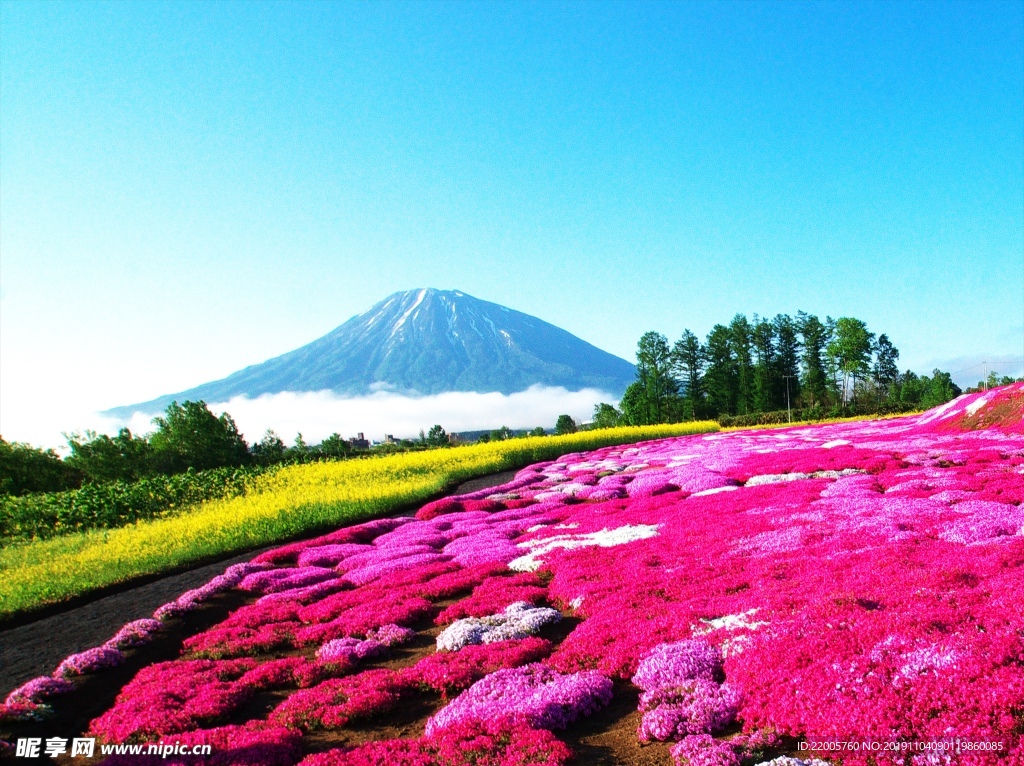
(424, 342)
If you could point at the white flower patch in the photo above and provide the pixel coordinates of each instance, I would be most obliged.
(680, 460)
(716, 490)
(837, 474)
(570, 488)
(606, 538)
(597, 465)
(741, 621)
(835, 443)
(735, 645)
(977, 404)
(781, 478)
(519, 620)
(947, 410)
(928, 658)
(775, 478)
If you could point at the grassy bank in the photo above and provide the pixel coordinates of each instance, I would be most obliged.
(291, 502)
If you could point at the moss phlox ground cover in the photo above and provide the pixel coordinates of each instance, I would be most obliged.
(850, 581)
(288, 502)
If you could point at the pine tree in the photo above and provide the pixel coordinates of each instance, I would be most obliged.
(787, 350)
(764, 374)
(814, 376)
(740, 347)
(885, 370)
(721, 377)
(688, 358)
(657, 399)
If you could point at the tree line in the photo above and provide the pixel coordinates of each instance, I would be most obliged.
(748, 367)
(189, 438)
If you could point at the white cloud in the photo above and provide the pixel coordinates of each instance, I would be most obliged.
(319, 414)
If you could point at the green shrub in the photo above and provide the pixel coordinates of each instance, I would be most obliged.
(117, 503)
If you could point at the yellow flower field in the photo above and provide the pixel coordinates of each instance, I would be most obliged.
(294, 501)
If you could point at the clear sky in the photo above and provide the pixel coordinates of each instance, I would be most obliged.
(188, 188)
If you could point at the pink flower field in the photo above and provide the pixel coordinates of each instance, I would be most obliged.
(851, 592)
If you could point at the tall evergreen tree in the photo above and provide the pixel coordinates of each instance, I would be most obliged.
(787, 351)
(762, 338)
(654, 397)
(740, 347)
(833, 365)
(688, 356)
(815, 339)
(884, 371)
(721, 378)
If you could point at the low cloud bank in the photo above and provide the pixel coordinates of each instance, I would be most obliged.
(317, 415)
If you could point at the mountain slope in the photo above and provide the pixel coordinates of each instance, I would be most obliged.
(424, 342)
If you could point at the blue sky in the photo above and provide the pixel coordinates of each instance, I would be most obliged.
(186, 189)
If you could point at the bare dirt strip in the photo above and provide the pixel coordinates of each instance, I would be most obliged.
(36, 648)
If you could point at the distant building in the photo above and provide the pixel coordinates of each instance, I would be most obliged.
(359, 442)
(390, 439)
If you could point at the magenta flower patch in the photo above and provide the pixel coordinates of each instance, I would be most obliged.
(841, 582)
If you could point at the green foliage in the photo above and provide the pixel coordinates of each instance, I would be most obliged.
(885, 370)
(24, 468)
(125, 457)
(740, 347)
(333, 446)
(762, 338)
(815, 337)
(538, 431)
(850, 351)
(654, 396)
(688, 361)
(940, 389)
(565, 425)
(501, 434)
(437, 437)
(606, 416)
(117, 503)
(190, 436)
(834, 368)
(721, 378)
(787, 365)
(270, 449)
